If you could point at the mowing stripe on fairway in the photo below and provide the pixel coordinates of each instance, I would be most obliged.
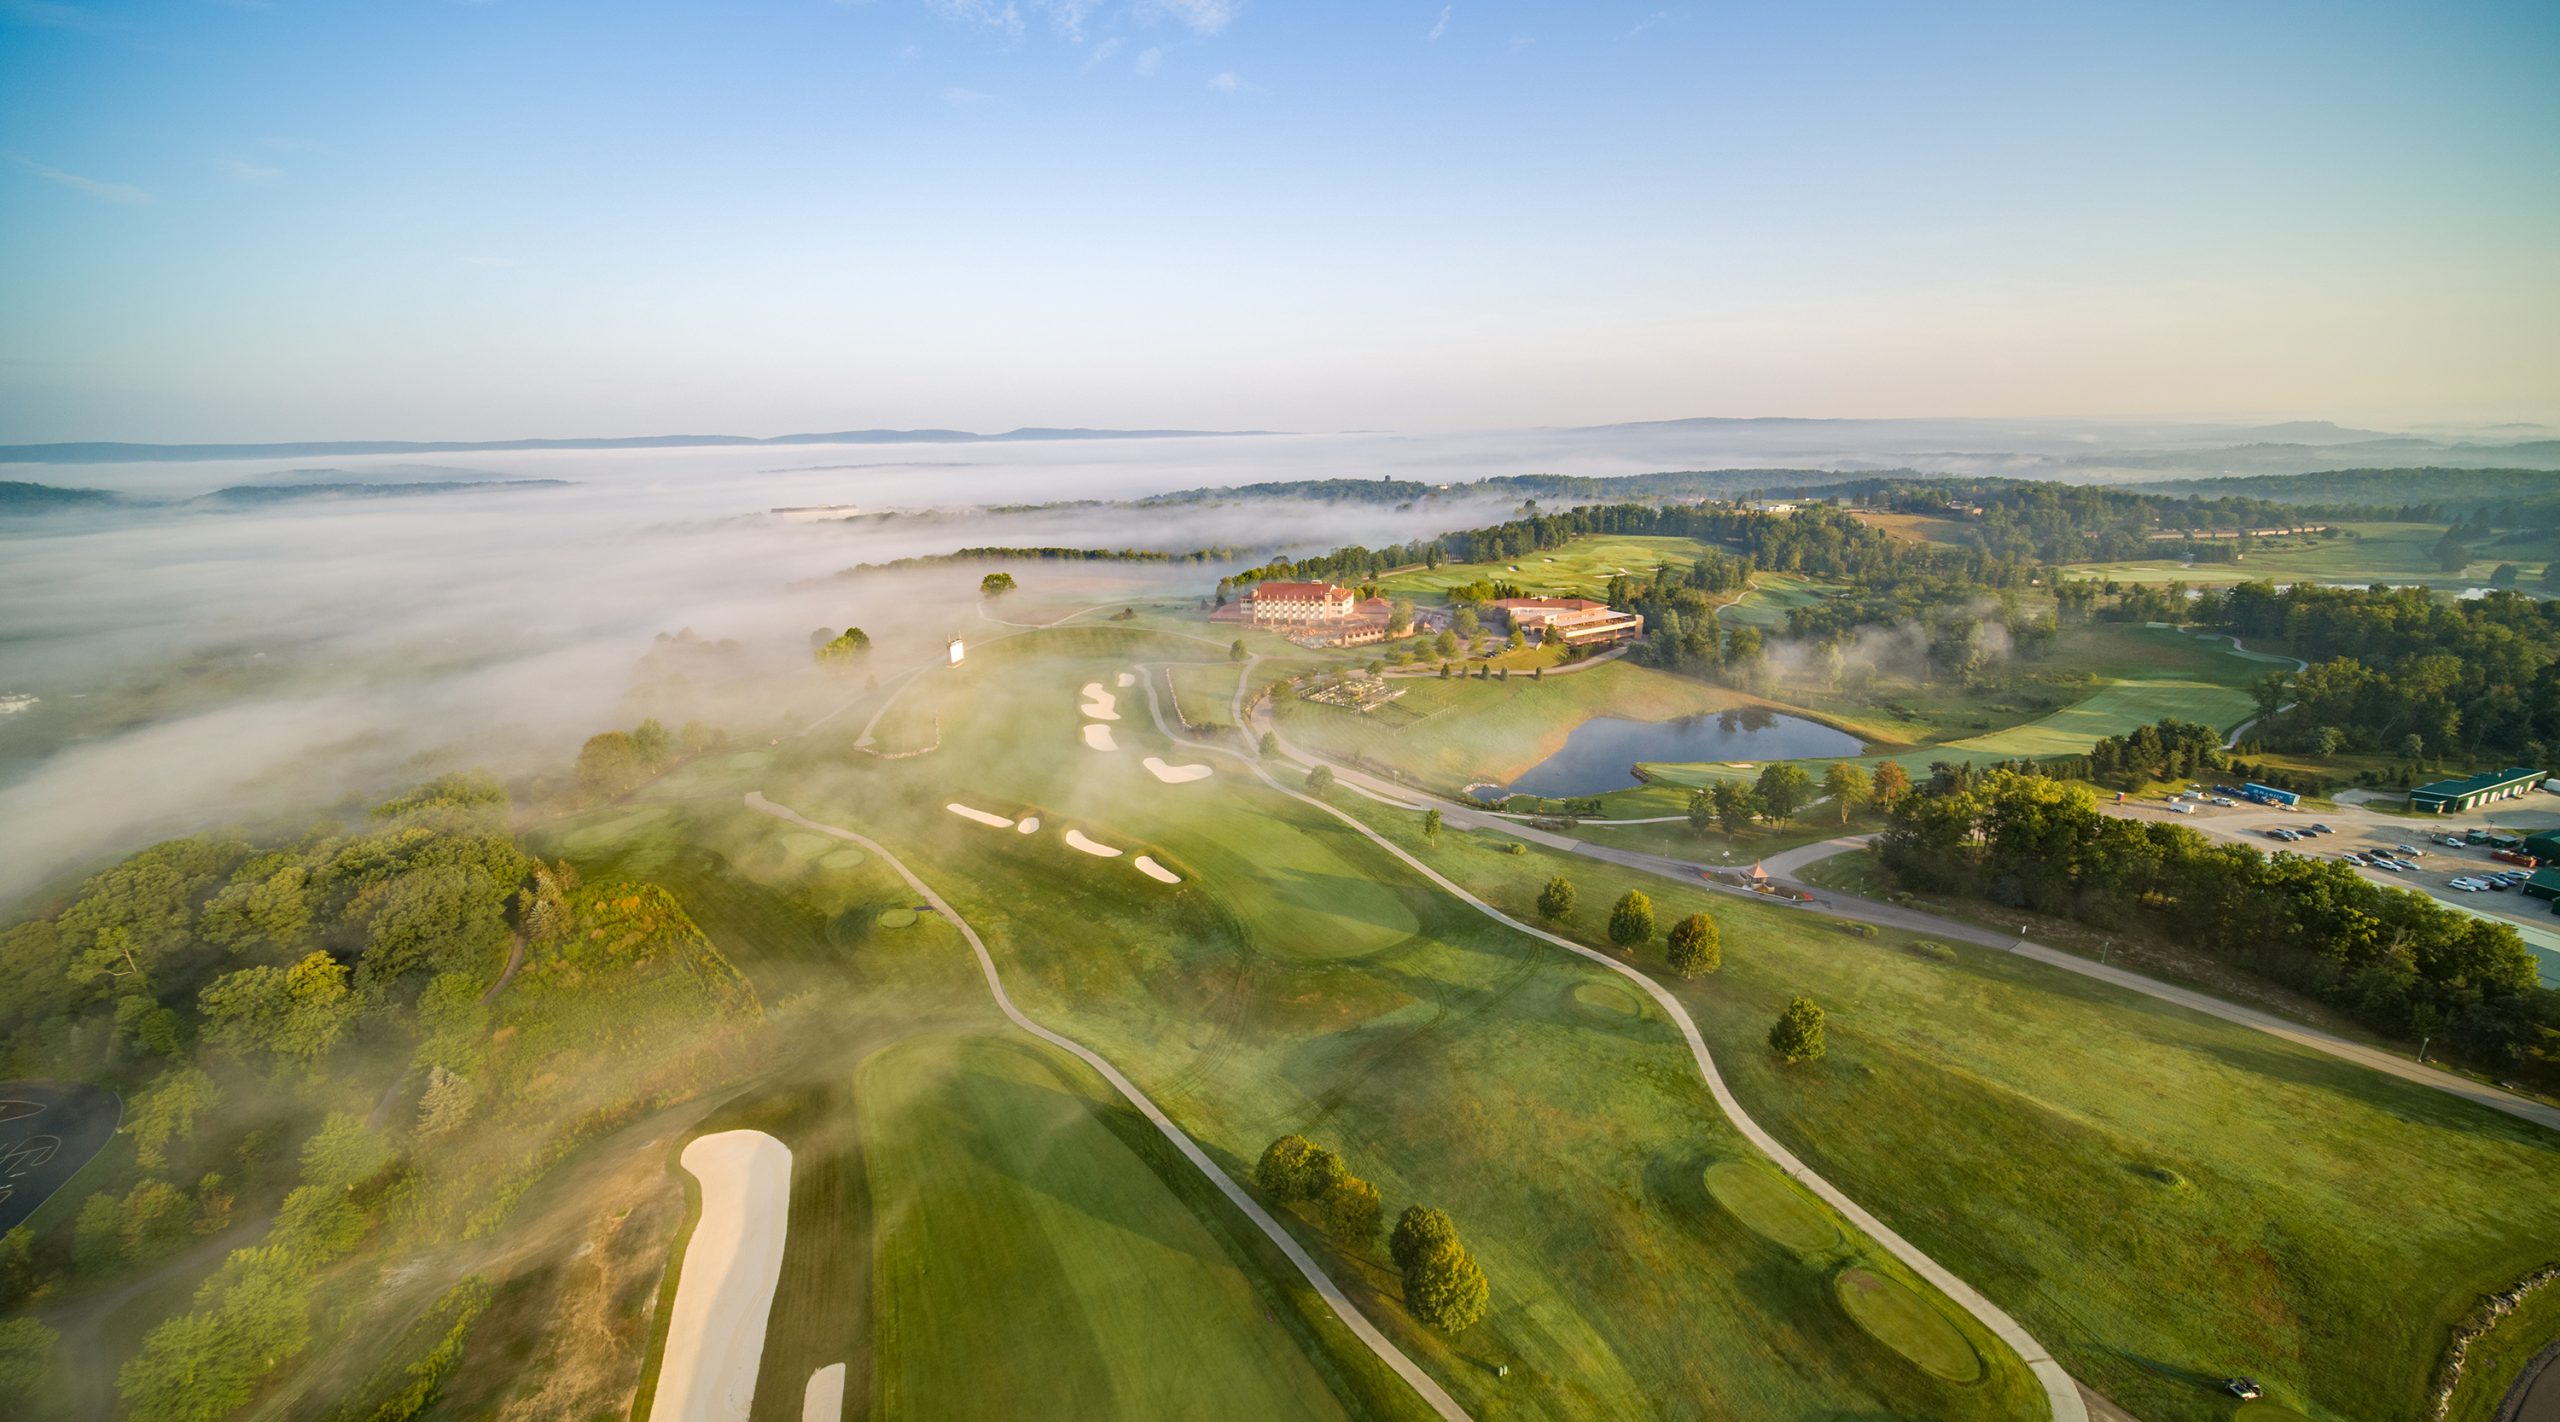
(1422, 1382)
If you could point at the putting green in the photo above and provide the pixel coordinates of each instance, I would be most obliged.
(1771, 1207)
(842, 859)
(1900, 1319)
(896, 918)
(1612, 1003)
(1030, 1263)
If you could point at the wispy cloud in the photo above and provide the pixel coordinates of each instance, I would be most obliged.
(1440, 26)
(1227, 81)
(1000, 15)
(1147, 62)
(241, 170)
(1102, 53)
(1648, 22)
(1201, 17)
(100, 189)
(966, 98)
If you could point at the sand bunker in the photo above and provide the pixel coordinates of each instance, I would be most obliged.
(1099, 737)
(981, 816)
(715, 1332)
(824, 1399)
(1156, 871)
(1175, 774)
(1030, 825)
(1098, 703)
(1076, 840)
(1128, 679)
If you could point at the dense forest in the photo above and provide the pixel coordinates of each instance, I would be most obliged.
(2397, 961)
(2448, 495)
(2400, 671)
(2080, 523)
(369, 1040)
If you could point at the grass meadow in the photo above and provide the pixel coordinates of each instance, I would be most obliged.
(2162, 1198)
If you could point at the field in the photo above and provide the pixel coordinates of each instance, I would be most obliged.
(1771, 597)
(2092, 1161)
(2100, 1163)
(1582, 568)
(1914, 528)
(1268, 993)
(2383, 552)
(1032, 1263)
(1205, 694)
(1451, 733)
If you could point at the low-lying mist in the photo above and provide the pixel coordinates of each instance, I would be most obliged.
(191, 667)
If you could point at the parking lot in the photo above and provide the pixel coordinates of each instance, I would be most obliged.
(2355, 829)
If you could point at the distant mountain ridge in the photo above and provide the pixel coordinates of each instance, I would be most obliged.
(113, 452)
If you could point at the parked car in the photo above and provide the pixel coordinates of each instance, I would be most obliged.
(2322, 829)
(2226, 802)
(2455, 841)
(2466, 885)
(2182, 808)
(2407, 851)
(2245, 1389)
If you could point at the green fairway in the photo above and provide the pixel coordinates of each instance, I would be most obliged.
(1771, 598)
(2384, 552)
(2116, 708)
(1581, 568)
(1772, 1207)
(1447, 734)
(1205, 693)
(1907, 1323)
(2013, 1120)
(1299, 980)
(1030, 1262)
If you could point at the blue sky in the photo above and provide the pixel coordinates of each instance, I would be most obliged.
(406, 218)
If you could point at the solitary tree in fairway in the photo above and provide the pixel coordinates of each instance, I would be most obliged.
(1319, 780)
(1847, 785)
(1270, 743)
(1283, 1169)
(1783, 788)
(1555, 901)
(1431, 825)
(1235, 650)
(1631, 920)
(1697, 946)
(1798, 1035)
(1891, 780)
(994, 583)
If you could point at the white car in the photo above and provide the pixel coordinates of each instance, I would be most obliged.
(2467, 885)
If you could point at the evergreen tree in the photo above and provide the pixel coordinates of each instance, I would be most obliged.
(1631, 920)
(1555, 901)
(1697, 946)
(1798, 1035)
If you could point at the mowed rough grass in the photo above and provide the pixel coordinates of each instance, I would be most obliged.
(1449, 733)
(1454, 1066)
(1029, 1263)
(2113, 710)
(1581, 568)
(2155, 1194)
(2386, 552)
(1771, 597)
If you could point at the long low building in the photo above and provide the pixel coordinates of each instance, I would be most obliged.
(2451, 797)
(1575, 621)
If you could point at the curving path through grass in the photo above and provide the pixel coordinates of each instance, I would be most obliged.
(2060, 1390)
(1422, 1382)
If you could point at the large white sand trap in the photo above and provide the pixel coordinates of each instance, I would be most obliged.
(1156, 871)
(1128, 678)
(1076, 840)
(1098, 736)
(981, 816)
(824, 1401)
(715, 1333)
(1175, 774)
(1030, 825)
(1100, 704)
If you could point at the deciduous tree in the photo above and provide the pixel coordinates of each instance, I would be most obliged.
(1631, 920)
(1555, 901)
(1697, 946)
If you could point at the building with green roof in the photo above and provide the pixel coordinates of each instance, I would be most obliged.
(2451, 797)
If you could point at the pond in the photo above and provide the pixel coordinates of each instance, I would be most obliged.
(1601, 754)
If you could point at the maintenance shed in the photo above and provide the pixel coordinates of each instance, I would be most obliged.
(2448, 797)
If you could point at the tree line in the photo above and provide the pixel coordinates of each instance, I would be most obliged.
(2396, 961)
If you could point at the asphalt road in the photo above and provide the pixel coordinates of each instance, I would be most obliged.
(48, 1130)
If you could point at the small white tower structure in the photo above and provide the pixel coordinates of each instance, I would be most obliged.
(957, 651)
